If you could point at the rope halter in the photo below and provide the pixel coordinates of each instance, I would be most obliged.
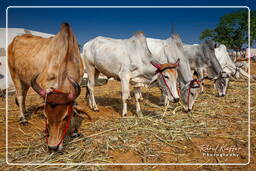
(161, 69)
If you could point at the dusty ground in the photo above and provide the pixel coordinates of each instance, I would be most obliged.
(108, 138)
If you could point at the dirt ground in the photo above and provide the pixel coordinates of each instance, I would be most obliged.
(217, 125)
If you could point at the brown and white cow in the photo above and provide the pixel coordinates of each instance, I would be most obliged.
(53, 68)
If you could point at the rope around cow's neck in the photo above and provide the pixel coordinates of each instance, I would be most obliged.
(70, 108)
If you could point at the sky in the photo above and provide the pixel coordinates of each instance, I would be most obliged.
(88, 23)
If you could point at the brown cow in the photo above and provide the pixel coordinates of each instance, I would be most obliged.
(53, 67)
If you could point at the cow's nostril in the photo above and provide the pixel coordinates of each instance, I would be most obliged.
(53, 148)
(176, 99)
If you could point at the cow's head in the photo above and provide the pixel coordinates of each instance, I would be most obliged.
(166, 76)
(221, 83)
(236, 72)
(189, 93)
(58, 112)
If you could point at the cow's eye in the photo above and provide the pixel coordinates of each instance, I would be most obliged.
(192, 94)
(166, 77)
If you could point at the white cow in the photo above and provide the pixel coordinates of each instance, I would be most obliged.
(226, 62)
(203, 60)
(168, 51)
(130, 61)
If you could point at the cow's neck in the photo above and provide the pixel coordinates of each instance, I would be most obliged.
(173, 54)
(215, 66)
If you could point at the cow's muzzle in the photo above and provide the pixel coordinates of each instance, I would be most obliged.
(55, 148)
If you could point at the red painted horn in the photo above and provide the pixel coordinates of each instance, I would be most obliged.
(36, 87)
(73, 96)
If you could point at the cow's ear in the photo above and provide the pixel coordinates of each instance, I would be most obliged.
(153, 80)
(155, 64)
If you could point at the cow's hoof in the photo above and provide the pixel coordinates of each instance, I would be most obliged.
(23, 122)
(141, 99)
(96, 110)
(140, 114)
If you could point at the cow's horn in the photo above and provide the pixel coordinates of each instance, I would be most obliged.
(36, 87)
(73, 96)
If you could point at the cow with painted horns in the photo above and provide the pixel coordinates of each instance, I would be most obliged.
(53, 68)
(168, 51)
(131, 62)
(203, 61)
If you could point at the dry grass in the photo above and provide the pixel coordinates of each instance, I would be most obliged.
(108, 138)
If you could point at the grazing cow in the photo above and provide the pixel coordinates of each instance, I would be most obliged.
(52, 67)
(226, 62)
(168, 51)
(202, 59)
(129, 61)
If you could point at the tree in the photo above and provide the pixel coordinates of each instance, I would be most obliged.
(232, 30)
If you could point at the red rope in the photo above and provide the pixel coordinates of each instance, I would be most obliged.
(166, 84)
(67, 125)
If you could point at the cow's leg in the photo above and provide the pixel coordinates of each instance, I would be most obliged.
(140, 96)
(125, 91)
(21, 93)
(90, 86)
(137, 92)
(200, 76)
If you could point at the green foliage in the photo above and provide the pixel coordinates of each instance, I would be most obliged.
(232, 30)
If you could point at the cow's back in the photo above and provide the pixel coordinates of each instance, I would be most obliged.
(53, 58)
(108, 55)
(27, 55)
